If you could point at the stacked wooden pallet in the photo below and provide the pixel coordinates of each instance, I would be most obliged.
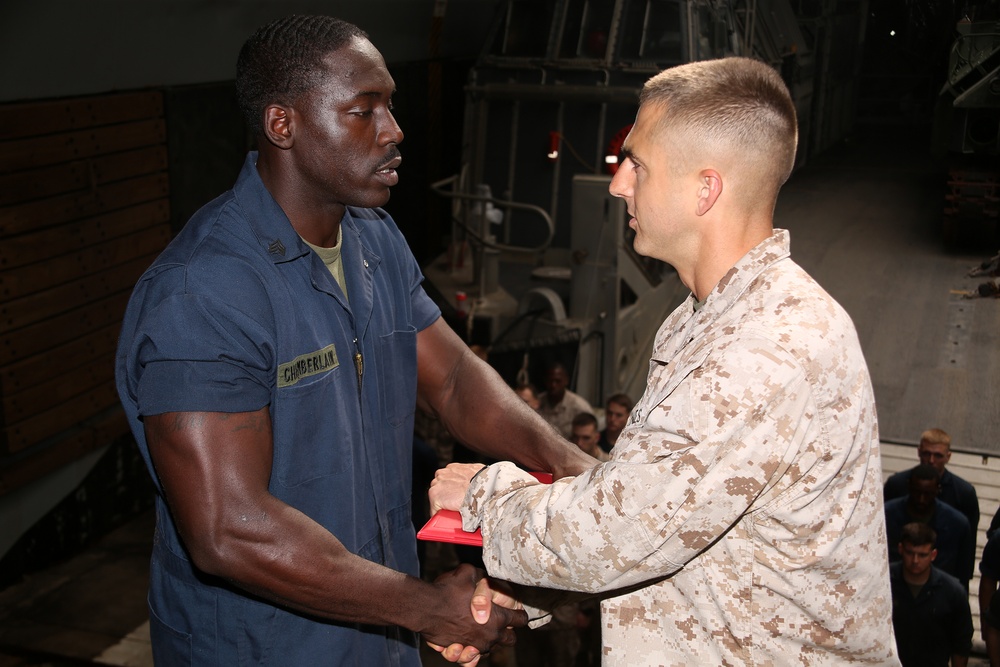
(83, 210)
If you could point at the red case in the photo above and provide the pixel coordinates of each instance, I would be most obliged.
(446, 525)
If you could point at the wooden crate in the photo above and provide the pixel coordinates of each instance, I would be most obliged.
(83, 211)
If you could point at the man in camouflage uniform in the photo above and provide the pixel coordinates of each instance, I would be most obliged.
(739, 521)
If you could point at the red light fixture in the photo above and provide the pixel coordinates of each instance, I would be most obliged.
(615, 149)
(553, 154)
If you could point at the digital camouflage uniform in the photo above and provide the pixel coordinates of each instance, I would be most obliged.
(742, 507)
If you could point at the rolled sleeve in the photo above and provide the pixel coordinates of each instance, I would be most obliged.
(194, 353)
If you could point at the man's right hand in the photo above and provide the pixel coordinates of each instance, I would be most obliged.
(494, 615)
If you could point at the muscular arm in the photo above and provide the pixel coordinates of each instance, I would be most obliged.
(215, 468)
(479, 409)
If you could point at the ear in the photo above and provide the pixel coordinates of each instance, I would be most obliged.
(934, 553)
(279, 125)
(709, 189)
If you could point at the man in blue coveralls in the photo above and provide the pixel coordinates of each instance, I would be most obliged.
(270, 362)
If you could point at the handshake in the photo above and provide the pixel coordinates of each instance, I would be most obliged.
(494, 609)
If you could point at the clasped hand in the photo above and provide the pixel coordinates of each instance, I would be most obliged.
(493, 607)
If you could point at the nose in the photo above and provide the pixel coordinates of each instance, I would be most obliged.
(390, 133)
(621, 182)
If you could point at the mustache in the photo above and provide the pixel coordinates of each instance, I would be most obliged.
(392, 154)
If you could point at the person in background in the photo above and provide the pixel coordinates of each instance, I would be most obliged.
(930, 608)
(989, 601)
(584, 434)
(616, 411)
(528, 394)
(935, 450)
(953, 552)
(558, 405)
(994, 524)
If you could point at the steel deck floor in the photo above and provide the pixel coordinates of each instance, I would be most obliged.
(865, 221)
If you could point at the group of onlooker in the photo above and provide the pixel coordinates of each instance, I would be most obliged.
(573, 416)
(932, 518)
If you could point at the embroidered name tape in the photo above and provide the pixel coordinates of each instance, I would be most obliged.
(306, 365)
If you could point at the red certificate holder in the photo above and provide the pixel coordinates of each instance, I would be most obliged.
(446, 525)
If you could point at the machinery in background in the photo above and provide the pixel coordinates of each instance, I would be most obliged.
(540, 266)
(967, 128)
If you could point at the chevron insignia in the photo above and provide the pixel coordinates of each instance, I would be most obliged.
(276, 248)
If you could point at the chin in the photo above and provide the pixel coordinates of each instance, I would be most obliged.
(640, 248)
(373, 200)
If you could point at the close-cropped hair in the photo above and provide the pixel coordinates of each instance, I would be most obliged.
(935, 436)
(284, 59)
(739, 103)
(623, 400)
(924, 472)
(584, 419)
(526, 386)
(917, 534)
(553, 366)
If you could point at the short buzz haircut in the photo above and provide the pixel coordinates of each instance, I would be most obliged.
(584, 419)
(935, 436)
(553, 366)
(623, 400)
(924, 472)
(917, 534)
(526, 386)
(284, 59)
(741, 104)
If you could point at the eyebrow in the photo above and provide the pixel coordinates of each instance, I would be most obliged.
(627, 153)
(374, 93)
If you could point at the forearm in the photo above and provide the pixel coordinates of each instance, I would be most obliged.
(992, 644)
(987, 587)
(289, 560)
(560, 535)
(279, 554)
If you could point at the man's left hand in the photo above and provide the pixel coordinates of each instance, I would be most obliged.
(450, 484)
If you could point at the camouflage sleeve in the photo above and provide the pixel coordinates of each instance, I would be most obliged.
(723, 442)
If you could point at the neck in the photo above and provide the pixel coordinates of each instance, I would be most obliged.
(916, 579)
(922, 517)
(721, 247)
(318, 222)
